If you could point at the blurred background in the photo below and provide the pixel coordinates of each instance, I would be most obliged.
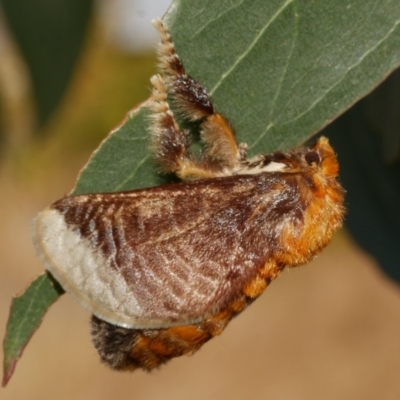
(329, 330)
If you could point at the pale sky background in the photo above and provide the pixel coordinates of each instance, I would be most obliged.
(129, 22)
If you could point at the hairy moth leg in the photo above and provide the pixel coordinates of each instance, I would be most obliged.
(170, 143)
(194, 103)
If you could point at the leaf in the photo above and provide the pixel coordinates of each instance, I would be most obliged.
(26, 314)
(50, 36)
(279, 70)
(282, 69)
(123, 161)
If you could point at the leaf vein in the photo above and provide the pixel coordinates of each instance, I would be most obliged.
(132, 174)
(357, 63)
(216, 18)
(247, 51)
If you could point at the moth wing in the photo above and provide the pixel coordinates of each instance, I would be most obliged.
(155, 257)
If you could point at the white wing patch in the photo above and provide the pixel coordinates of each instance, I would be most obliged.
(273, 166)
(86, 274)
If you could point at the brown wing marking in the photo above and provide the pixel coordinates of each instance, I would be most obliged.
(184, 256)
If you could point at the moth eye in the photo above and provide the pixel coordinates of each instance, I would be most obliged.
(312, 157)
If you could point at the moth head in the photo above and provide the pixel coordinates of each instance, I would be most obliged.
(319, 158)
(322, 157)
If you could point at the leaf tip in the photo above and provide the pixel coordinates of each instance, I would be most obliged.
(8, 370)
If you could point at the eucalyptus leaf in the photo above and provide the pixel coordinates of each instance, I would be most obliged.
(26, 313)
(282, 69)
(279, 70)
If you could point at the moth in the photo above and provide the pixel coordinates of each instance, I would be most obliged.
(165, 269)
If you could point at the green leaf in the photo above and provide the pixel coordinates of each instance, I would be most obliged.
(26, 314)
(123, 160)
(280, 70)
